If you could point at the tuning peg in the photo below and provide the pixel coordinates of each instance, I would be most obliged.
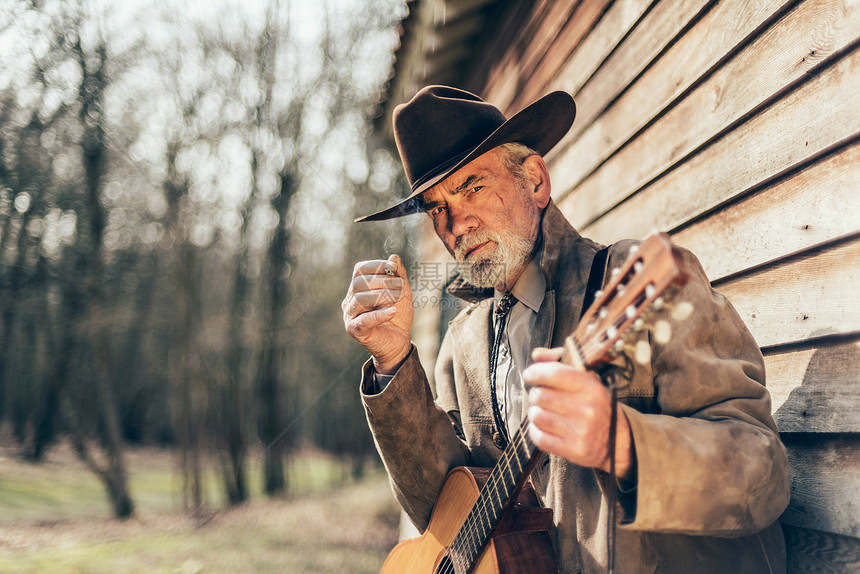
(634, 249)
(662, 331)
(642, 352)
(650, 290)
(630, 311)
(682, 311)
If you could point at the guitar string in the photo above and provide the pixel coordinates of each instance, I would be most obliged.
(470, 532)
(520, 439)
(521, 436)
(471, 529)
(587, 349)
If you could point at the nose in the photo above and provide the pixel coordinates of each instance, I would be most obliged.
(461, 219)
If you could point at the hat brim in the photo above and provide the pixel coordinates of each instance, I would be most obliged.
(539, 126)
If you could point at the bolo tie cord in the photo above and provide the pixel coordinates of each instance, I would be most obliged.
(503, 310)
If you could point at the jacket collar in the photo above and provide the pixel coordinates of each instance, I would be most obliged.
(555, 232)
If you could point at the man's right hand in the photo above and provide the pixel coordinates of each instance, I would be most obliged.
(377, 311)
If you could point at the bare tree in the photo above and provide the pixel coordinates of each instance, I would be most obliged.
(112, 473)
(161, 278)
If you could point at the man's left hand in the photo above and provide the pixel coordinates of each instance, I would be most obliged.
(569, 415)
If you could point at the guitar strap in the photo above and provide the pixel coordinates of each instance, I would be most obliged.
(595, 278)
(595, 282)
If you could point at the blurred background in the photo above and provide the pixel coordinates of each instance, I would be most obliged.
(177, 187)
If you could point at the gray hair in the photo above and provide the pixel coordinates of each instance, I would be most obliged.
(513, 155)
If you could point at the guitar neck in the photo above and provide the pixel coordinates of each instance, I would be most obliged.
(506, 479)
(636, 292)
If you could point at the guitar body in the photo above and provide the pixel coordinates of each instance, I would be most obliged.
(520, 543)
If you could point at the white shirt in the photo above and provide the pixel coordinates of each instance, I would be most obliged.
(511, 395)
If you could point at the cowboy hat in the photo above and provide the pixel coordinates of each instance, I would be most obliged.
(442, 129)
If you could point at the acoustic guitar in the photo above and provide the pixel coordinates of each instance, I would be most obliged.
(489, 521)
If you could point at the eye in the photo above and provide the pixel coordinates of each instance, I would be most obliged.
(476, 189)
(436, 210)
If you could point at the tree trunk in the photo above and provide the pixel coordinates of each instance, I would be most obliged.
(274, 430)
(232, 405)
(113, 475)
(188, 397)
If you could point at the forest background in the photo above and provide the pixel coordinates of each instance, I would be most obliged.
(177, 187)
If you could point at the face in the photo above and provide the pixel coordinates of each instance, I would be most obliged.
(488, 218)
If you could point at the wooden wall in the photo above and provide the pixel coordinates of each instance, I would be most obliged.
(735, 127)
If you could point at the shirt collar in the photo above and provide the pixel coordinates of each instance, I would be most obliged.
(530, 286)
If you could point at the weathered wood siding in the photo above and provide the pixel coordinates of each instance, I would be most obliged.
(735, 127)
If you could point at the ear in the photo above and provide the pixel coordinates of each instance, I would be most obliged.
(538, 175)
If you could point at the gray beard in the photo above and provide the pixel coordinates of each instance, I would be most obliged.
(507, 261)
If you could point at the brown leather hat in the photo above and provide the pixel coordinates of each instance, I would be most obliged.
(442, 129)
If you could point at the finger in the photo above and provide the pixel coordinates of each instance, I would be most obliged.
(543, 354)
(558, 375)
(367, 282)
(561, 436)
(368, 300)
(556, 401)
(375, 267)
(400, 271)
(547, 420)
(558, 445)
(366, 322)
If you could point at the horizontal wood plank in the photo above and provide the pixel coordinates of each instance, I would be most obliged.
(644, 43)
(816, 390)
(621, 16)
(820, 552)
(506, 74)
(578, 24)
(508, 27)
(800, 126)
(540, 43)
(815, 205)
(720, 31)
(825, 480)
(802, 298)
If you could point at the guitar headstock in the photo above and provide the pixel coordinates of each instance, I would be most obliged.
(636, 295)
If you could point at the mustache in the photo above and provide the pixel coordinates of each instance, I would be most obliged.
(465, 243)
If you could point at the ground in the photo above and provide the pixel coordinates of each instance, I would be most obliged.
(53, 519)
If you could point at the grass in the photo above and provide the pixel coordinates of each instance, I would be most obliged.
(53, 519)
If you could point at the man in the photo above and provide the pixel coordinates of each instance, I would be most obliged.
(701, 474)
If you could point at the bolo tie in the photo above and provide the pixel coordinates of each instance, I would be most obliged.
(503, 310)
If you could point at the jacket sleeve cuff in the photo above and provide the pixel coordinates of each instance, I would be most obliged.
(373, 383)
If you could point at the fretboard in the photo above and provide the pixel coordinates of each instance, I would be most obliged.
(510, 472)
